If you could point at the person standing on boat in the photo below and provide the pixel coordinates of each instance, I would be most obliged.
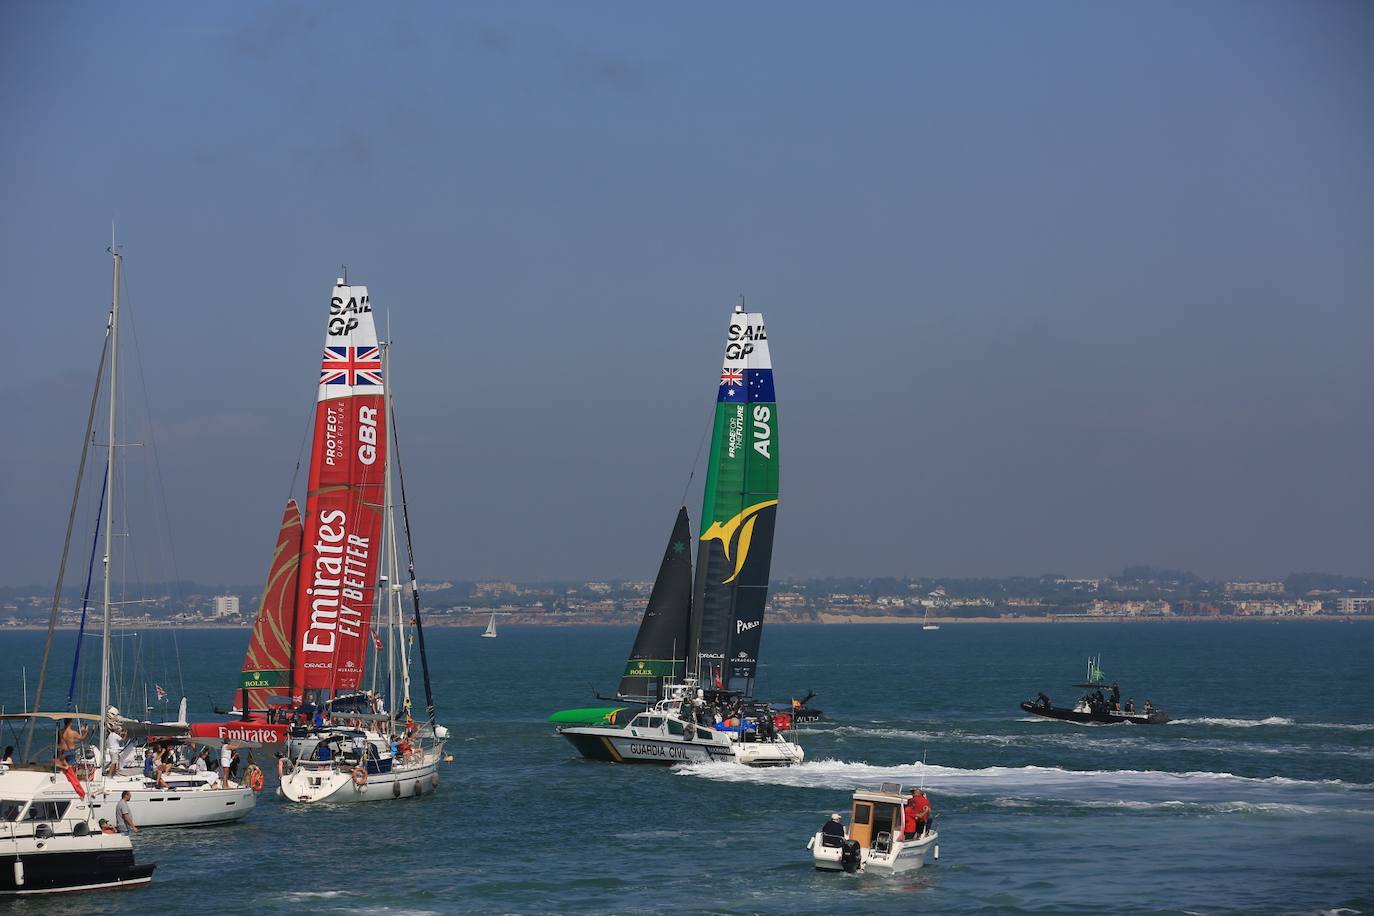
(916, 815)
(112, 748)
(226, 760)
(67, 742)
(124, 817)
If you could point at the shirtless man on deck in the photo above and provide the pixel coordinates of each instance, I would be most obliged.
(67, 741)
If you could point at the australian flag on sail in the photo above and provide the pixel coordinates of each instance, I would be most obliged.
(748, 386)
(351, 366)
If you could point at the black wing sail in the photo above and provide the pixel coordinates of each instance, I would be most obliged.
(660, 650)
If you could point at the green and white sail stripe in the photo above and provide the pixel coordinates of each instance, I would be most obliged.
(739, 511)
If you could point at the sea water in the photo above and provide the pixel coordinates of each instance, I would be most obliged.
(1257, 797)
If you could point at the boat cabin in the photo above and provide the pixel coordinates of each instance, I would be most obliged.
(658, 725)
(876, 817)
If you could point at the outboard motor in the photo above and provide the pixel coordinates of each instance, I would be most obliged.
(851, 858)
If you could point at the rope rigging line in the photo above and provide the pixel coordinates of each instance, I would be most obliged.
(410, 562)
(696, 461)
(71, 522)
(170, 543)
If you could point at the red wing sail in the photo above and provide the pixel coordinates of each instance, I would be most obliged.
(343, 507)
(267, 664)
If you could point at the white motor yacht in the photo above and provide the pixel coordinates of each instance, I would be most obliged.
(51, 840)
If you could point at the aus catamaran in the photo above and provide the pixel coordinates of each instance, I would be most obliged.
(333, 595)
(691, 671)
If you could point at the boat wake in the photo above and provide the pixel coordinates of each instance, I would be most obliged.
(1133, 741)
(1040, 784)
(1235, 723)
(1273, 720)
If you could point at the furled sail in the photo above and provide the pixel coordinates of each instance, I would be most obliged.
(660, 649)
(739, 510)
(267, 663)
(343, 508)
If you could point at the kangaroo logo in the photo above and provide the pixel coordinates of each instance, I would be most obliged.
(739, 531)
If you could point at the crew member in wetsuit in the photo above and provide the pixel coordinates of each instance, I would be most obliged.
(1043, 701)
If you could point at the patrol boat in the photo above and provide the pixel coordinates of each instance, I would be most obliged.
(873, 841)
(50, 839)
(672, 731)
(696, 653)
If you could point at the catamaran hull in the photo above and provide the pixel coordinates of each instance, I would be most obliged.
(1154, 717)
(175, 807)
(312, 785)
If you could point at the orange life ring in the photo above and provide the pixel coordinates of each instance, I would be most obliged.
(359, 777)
(255, 779)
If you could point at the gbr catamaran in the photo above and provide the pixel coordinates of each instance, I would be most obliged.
(691, 671)
(333, 595)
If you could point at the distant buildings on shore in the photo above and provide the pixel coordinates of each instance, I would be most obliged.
(1139, 593)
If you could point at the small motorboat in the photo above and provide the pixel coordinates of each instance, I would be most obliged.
(1097, 707)
(873, 840)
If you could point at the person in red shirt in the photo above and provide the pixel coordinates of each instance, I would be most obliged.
(916, 815)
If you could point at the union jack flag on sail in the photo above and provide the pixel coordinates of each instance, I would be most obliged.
(352, 366)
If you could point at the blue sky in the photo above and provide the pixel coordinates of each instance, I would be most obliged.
(1054, 287)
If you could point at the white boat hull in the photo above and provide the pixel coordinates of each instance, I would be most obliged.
(172, 807)
(312, 782)
(625, 745)
(768, 753)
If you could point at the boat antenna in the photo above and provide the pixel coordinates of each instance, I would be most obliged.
(344, 268)
(924, 752)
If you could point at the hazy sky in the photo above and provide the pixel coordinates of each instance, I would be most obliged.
(1049, 287)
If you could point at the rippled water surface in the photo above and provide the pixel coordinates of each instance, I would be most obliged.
(1259, 797)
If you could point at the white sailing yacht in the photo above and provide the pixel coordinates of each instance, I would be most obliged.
(178, 799)
(355, 749)
(928, 625)
(490, 631)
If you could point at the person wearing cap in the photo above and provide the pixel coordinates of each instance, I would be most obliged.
(832, 834)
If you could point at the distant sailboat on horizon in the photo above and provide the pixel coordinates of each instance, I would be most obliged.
(490, 631)
(928, 625)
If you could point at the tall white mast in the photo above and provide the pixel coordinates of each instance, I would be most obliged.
(388, 532)
(109, 493)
